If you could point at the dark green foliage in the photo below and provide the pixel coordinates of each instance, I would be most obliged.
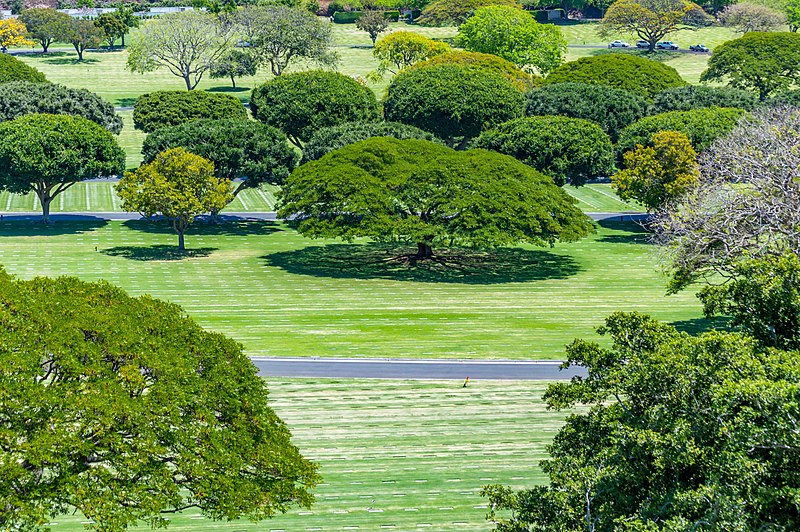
(521, 79)
(614, 109)
(46, 25)
(679, 432)
(699, 96)
(113, 27)
(299, 104)
(454, 102)
(349, 17)
(234, 64)
(123, 408)
(791, 97)
(424, 193)
(570, 150)
(239, 149)
(171, 108)
(12, 69)
(702, 126)
(23, 97)
(327, 139)
(622, 71)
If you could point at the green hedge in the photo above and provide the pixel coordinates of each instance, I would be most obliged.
(348, 17)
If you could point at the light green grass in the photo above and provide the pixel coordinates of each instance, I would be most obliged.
(600, 198)
(402, 453)
(130, 139)
(283, 295)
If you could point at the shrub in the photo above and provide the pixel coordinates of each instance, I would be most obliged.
(614, 109)
(301, 103)
(622, 71)
(702, 126)
(521, 79)
(19, 98)
(570, 150)
(327, 139)
(12, 69)
(699, 96)
(791, 98)
(171, 108)
(454, 102)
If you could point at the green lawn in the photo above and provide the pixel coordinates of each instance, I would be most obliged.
(402, 454)
(283, 295)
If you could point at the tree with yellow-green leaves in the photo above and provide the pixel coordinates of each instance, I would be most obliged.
(401, 49)
(178, 185)
(651, 20)
(13, 33)
(657, 174)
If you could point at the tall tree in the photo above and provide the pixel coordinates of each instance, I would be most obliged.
(234, 64)
(113, 27)
(374, 23)
(401, 49)
(126, 410)
(186, 43)
(651, 20)
(126, 14)
(178, 185)
(513, 34)
(677, 432)
(13, 33)
(746, 17)
(429, 195)
(85, 34)
(47, 154)
(46, 25)
(763, 62)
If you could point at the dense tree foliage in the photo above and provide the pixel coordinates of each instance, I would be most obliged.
(614, 109)
(455, 12)
(47, 154)
(514, 35)
(123, 409)
(401, 49)
(13, 33)
(622, 71)
(328, 139)
(702, 126)
(374, 23)
(651, 20)
(521, 79)
(570, 150)
(790, 97)
(763, 62)
(159, 109)
(24, 97)
(454, 102)
(12, 69)
(681, 433)
(427, 194)
(746, 17)
(658, 174)
(46, 25)
(699, 96)
(177, 185)
(187, 44)
(84, 34)
(240, 149)
(299, 104)
(234, 64)
(112, 26)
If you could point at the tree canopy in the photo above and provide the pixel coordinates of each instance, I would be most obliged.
(12, 69)
(763, 62)
(84, 34)
(401, 49)
(746, 17)
(678, 432)
(240, 149)
(622, 71)
(159, 109)
(19, 98)
(455, 12)
(700, 96)
(123, 408)
(13, 33)
(651, 20)
(426, 194)
(299, 104)
(47, 154)
(328, 139)
(569, 150)
(454, 102)
(374, 23)
(521, 79)
(514, 35)
(614, 109)
(178, 185)
(46, 25)
(113, 27)
(234, 64)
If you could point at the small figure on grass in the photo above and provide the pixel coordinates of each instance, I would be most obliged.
(466, 382)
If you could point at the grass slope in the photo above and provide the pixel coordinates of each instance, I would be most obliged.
(283, 295)
(402, 455)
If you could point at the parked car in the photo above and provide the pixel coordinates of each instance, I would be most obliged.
(642, 44)
(667, 45)
(619, 44)
(699, 48)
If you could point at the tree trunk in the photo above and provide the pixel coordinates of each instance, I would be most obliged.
(188, 82)
(233, 81)
(181, 241)
(424, 251)
(45, 46)
(80, 54)
(45, 201)
(123, 40)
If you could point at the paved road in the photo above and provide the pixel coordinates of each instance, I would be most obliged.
(414, 369)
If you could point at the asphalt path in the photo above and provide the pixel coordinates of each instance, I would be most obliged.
(415, 369)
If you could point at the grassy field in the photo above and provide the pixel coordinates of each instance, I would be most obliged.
(99, 196)
(402, 455)
(283, 295)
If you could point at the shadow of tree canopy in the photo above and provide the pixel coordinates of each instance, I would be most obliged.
(26, 225)
(655, 55)
(158, 252)
(70, 61)
(701, 325)
(203, 228)
(465, 266)
(125, 102)
(635, 232)
(228, 89)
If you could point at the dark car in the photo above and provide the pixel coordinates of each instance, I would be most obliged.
(667, 45)
(698, 48)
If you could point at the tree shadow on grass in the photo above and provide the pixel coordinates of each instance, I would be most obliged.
(125, 102)
(48, 54)
(635, 232)
(397, 263)
(701, 325)
(657, 55)
(159, 252)
(19, 225)
(70, 61)
(225, 228)
(228, 88)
